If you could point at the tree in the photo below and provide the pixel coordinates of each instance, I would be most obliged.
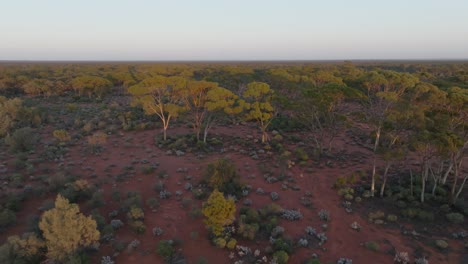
(258, 96)
(219, 212)
(207, 103)
(91, 85)
(9, 112)
(195, 97)
(25, 249)
(384, 89)
(319, 110)
(65, 229)
(161, 96)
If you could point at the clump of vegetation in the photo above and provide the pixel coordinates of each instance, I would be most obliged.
(324, 215)
(22, 139)
(218, 212)
(61, 135)
(66, 221)
(374, 246)
(455, 218)
(222, 175)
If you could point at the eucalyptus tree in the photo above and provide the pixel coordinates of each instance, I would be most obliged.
(206, 102)
(258, 105)
(161, 96)
(384, 89)
(91, 85)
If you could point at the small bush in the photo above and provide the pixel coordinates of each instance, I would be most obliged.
(401, 257)
(372, 246)
(116, 223)
(324, 215)
(7, 218)
(138, 227)
(157, 231)
(274, 196)
(281, 257)
(165, 249)
(455, 218)
(23, 139)
(61, 135)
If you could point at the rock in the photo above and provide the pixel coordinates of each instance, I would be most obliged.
(442, 244)
(179, 153)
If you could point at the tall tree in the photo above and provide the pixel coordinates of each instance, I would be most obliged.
(384, 89)
(91, 85)
(258, 98)
(161, 96)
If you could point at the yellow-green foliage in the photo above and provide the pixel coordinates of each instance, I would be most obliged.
(221, 172)
(97, 139)
(231, 244)
(220, 242)
(61, 135)
(9, 111)
(218, 212)
(135, 213)
(258, 97)
(65, 229)
(27, 246)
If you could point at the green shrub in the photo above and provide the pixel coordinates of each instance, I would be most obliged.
(455, 218)
(222, 175)
(61, 135)
(392, 218)
(7, 218)
(22, 139)
(425, 216)
(281, 257)
(138, 227)
(301, 154)
(372, 246)
(231, 244)
(220, 242)
(165, 249)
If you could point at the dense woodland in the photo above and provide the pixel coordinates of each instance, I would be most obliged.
(412, 117)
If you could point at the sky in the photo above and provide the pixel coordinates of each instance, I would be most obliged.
(233, 29)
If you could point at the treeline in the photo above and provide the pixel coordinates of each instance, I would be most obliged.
(419, 108)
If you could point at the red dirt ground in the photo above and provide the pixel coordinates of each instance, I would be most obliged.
(123, 148)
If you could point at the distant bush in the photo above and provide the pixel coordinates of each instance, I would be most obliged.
(222, 175)
(281, 257)
(7, 218)
(274, 196)
(22, 139)
(324, 215)
(301, 154)
(61, 135)
(165, 249)
(455, 218)
(372, 246)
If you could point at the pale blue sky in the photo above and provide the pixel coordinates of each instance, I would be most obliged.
(233, 30)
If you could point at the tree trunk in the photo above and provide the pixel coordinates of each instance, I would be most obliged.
(460, 189)
(205, 134)
(447, 172)
(411, 182)
(382, 189)
(373, 177)
(377, 138)
(423, 180)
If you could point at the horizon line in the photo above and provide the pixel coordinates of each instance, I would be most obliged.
(238, 61)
